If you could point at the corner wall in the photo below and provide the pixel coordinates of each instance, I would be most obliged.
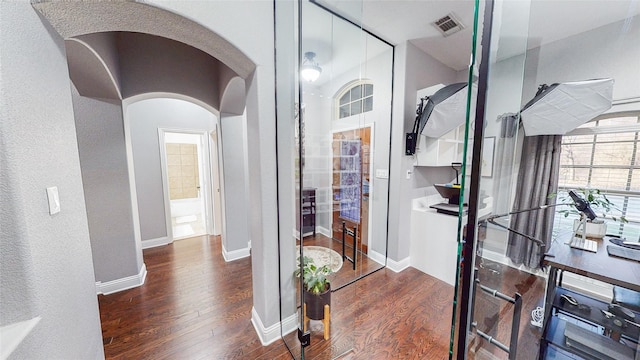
(105, 180)
(51, 274)
(414, 70)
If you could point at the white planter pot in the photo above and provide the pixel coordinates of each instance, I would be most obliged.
(596, 229)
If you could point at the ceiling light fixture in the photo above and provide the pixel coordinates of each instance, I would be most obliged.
(310, 70)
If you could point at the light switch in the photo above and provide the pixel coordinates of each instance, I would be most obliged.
(54, 200)
(382, 173)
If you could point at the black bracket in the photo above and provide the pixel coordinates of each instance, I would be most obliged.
(304, 337)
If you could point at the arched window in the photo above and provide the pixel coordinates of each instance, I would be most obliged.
(354, 99)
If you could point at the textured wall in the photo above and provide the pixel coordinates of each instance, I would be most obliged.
(55, 279)
(105, 180)
(145, 117)
(414, 70)
(236, 209)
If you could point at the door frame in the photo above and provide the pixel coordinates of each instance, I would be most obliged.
(216, 183)
(205, 173)
(371, 173)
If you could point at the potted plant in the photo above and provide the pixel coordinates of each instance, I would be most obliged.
(599, 203)
(317, 287)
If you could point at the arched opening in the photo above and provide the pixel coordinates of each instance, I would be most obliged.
(116, 67)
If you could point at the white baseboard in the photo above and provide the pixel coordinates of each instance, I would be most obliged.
(269, 334)
(377, 257)
(151, 243)
(126, 283)
(324, 231)
(398, 266)
(235, 254)
(290, 324)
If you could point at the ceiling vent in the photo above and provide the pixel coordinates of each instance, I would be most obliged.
(448, 24)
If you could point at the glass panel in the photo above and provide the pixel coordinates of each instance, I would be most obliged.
(356, 107)
(345, 111)
(367, 104)
(345, 98)
(521, 244)
(576, 154)
(614, 153)
(289, 140)
(356, 93)
(368, 89)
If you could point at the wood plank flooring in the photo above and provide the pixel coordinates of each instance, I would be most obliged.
(194, 305)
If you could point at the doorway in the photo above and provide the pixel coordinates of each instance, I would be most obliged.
(351, 151)
(185, 168)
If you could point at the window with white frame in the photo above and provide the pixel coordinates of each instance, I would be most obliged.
(604, 154)
(355, 99)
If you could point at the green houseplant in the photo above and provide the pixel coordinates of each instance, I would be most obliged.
(317, 287)
(599, 203)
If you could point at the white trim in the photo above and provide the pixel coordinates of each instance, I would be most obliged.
(324, 231)
(290, 324)
(235, 254)
(151, 243)
(377, 257)
(267, 335)
(165, 181)
(398, 266)
(135, 214)
(125, 283)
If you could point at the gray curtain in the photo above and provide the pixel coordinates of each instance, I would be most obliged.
(503, 173)
(537, 178)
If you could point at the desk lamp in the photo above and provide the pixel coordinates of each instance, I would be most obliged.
(584, 207)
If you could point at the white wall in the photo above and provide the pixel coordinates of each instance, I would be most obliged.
(144, 118)
(414, 70)
(46, 260)
(105, 180)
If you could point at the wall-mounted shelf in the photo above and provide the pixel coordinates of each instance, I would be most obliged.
(442, 151)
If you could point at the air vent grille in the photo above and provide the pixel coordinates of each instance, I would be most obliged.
(448, 24)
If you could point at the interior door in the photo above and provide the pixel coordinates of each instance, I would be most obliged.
(350, 185)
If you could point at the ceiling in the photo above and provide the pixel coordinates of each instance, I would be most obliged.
(398, 21)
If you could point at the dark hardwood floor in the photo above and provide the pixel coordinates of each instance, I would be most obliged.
(194, 305)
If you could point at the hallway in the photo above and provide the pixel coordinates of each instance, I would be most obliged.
(193, 305)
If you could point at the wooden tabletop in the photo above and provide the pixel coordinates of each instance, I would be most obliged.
(599, 266)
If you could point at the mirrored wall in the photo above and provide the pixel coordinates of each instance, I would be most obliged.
(339, 109)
